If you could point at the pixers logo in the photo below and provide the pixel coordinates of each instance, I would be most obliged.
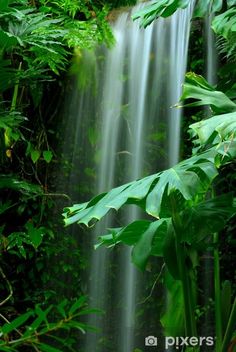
(180, 341)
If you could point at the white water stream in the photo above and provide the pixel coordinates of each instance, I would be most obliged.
(137, 82)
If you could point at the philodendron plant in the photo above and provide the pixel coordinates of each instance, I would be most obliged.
(186, 213)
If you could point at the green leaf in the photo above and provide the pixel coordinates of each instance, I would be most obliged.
(173, 319)
(35, 155)
(4, 5)
(144, 247)
(196, 87)
(146, 237)
(215, 129)
(10, 182)
(231, 3)
(207, 217)
(16, 323)
(47, 155)
(42, 317)
(190, 177)
(18, 239)
(226, 303)
(47, 348)
(225, 23)
(205, 7)
(169, 253)
(78, 304)
(35, 234)
(61, 307)
(128, 235)
(160, 8)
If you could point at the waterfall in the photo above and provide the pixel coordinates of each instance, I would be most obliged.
(127, 115)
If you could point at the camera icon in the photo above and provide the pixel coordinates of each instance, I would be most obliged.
(150, 341)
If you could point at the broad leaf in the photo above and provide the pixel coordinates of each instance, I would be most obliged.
(35, 234)
(166, 8)
(225, 23)
(146, 237)
(196, 87)
(173, 319)
(9, 182)
(215, 129)
(160, 8)
(207, 217)
(169, 253)
(204, 7)
(188, 178)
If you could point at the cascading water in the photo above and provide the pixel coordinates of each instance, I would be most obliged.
(137, 82)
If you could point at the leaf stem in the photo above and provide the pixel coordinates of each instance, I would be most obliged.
(230, 328)
(190, 323)
(9, 288)
(218, 318)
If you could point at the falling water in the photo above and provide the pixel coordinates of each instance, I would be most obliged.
(137, 82)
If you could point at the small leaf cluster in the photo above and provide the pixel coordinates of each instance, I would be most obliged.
(30, 328)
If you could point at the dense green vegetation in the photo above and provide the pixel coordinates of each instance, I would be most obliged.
(37, 39)
(192, 204)
(188, 207)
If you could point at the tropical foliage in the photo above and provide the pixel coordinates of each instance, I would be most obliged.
(185, 207)
(187, 212)
(37, 40)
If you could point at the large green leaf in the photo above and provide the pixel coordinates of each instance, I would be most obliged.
(173, 319)
(169, 253)
(160, 8)
(146, 237)
(225, 23)
(207, 217)
(196, 87)
(189, 178)
(215, 129)
(166, 8)
(204, 7)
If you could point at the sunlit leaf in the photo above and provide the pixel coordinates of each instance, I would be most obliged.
(160, 8)
(196, 87)
(205, 7)
(215, 129)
